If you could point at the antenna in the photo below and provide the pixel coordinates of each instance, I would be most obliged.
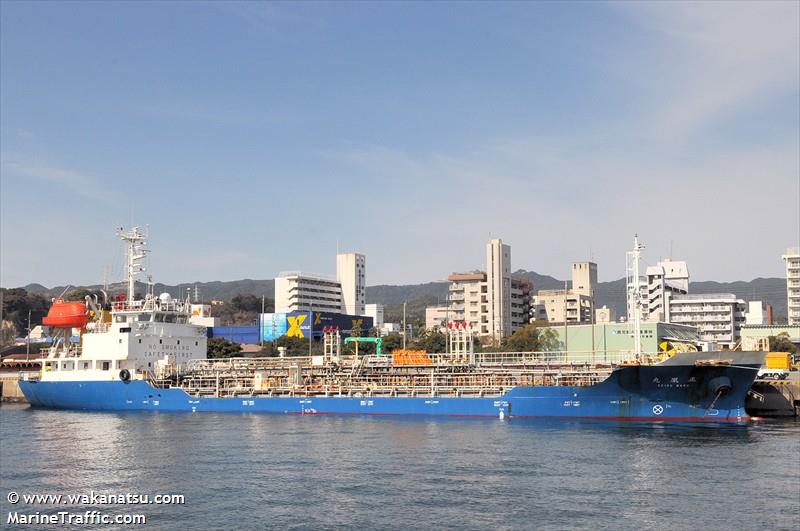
(136, 239)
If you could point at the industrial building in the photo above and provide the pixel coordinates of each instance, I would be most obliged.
(609, 342)
(311, 323)
(755, 337)
(717, 316)
(493, 302)
(792, 259)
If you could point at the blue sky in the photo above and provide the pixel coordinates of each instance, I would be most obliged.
(252, 137)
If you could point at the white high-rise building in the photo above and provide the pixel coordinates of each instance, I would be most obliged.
(376, 312)
(493, 303)
(498, 288)
(792, 259)
(584, 278)
(717, 316)
(468, 302)
(757, 313)
(664, 280)
(296, 291)
(352, 275)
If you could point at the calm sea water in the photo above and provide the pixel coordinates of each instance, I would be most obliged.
(327, 472)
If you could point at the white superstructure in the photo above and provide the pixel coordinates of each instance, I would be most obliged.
(127, 338)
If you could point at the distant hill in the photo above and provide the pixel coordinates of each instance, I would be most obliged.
(418, 296)
(221, 290)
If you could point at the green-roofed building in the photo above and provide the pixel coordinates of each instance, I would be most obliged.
(614, 341)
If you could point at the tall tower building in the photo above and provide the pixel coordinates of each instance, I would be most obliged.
(352, 275)
(584, 278)
(792, 259)
(498, 288)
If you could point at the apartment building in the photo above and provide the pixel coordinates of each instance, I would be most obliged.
(792, 259)
(664, 280)
(717, 316)
(493, 302)
(345, 293)
(297, 291)
(573, 305)
(436, 317)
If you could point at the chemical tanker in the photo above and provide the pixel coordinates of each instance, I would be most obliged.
(145, 354)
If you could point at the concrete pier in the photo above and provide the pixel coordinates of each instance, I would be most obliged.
(9, 389)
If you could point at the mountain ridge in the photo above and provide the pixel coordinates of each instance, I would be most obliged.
(609, 293)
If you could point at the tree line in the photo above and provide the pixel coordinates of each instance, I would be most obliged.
(534, 337)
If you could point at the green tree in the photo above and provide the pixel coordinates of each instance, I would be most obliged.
(268, 350)
(356, 329)
(392, 342)
(782, 343)
(298, 346)
(242, 310)
(431, 341)
(219, 347)
(246, 302)
(16, 303)
(364, 349)
(79, 294)
(531, 338)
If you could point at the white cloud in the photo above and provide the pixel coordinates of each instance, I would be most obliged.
(74, 181)
(711, 59)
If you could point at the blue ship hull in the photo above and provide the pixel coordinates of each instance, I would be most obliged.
(659, 392)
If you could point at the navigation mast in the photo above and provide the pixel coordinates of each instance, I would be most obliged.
(136, 239)
(635, 294)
